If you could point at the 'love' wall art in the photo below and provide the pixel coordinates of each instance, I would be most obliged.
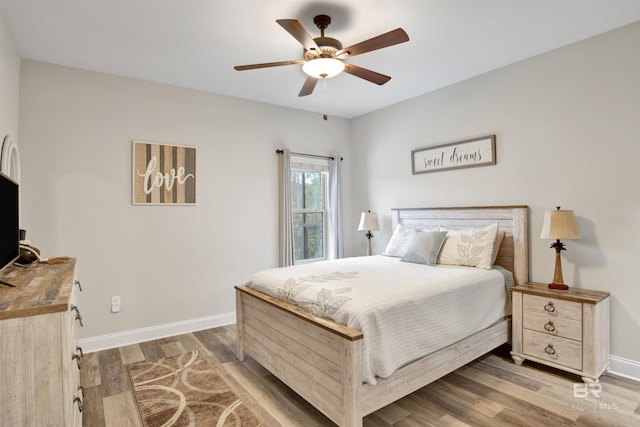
(163, 174)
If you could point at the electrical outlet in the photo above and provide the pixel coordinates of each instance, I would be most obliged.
(115, 304)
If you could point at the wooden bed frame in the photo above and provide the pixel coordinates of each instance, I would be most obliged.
(321, 360)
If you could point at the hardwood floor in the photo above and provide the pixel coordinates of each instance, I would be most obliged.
(490, 391)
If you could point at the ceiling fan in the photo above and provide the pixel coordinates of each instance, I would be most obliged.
(323, 56)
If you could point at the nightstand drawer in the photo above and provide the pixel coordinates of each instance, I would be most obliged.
(557, 326)
(552, 307)
(560, 351)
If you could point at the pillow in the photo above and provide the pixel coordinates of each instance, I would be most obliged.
(399, 241)
(496, 247)
(471, 247)
(424, 247)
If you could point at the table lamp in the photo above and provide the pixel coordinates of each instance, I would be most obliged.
(559, 224)
(368, 222)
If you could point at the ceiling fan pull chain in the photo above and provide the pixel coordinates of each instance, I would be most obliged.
(324, 98)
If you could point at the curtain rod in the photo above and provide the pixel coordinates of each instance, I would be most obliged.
(279, 151)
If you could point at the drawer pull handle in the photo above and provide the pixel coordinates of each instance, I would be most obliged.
(77, 282)
(551, 351)
(79, 350)
(550, 328)
(79, 401)
(78, 360)
(78, 315)
(549, 308)
(81, 390)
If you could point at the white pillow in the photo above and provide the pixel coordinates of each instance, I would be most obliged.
(399, 241)
(496, 248)
(424, 247)
(471, 247)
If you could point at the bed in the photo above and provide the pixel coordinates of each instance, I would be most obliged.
(322, 360)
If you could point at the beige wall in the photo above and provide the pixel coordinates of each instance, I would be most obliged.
(168, 263)
(9, 84)
(568, 133)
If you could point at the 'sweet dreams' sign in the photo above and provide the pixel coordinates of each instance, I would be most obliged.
(463, 154)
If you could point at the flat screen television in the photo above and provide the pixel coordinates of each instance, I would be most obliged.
(9, 222)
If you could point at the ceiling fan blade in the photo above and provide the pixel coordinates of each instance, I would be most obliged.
(383, 40)
(296, 29)
(268, 64)
(308, 86)
(369, 75)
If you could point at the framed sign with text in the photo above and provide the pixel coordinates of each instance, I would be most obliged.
(463, 154)
(163, 174)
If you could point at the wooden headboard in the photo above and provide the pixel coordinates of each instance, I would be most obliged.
(514, 251)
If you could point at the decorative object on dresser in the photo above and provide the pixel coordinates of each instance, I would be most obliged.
(30, 254)
(559, 224)
(40, 359)
(568, 330)
(10, 159)
(368, 223)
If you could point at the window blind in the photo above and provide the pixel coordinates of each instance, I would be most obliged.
(309, 163)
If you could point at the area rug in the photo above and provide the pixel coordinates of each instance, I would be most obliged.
(186, 390)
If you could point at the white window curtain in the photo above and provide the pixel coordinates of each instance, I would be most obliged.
(336, 238)
(288, 162)
(286, 222)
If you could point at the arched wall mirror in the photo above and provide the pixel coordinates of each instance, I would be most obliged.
(10, 159)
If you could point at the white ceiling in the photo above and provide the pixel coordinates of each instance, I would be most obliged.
(195, 44)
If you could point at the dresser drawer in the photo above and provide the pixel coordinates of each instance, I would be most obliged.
(558, 350)
(76, 392)
(74, 316)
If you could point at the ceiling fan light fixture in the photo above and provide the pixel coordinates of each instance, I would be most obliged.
(323, 68)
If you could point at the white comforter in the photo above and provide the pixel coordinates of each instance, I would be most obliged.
(404, 310)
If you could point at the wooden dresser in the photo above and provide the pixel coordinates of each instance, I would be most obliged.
(568, 329)
(39, 355)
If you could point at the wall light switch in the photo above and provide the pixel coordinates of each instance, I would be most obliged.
(115, 304)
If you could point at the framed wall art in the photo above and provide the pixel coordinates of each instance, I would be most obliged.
(463, 154)
(163, 174)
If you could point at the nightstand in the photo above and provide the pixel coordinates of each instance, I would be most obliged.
(568, 330)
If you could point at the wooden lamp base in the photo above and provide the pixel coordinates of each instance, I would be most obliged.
(369, 236)
(558, 281)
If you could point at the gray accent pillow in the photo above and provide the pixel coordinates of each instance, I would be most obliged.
(424, 247)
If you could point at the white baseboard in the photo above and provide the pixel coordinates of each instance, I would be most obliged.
(134, 336)
(624, 368)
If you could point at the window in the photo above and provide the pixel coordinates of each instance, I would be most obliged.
(309, 187)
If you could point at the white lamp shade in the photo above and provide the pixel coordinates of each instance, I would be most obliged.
(559, 225)
(368, 222)
(323, 68)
